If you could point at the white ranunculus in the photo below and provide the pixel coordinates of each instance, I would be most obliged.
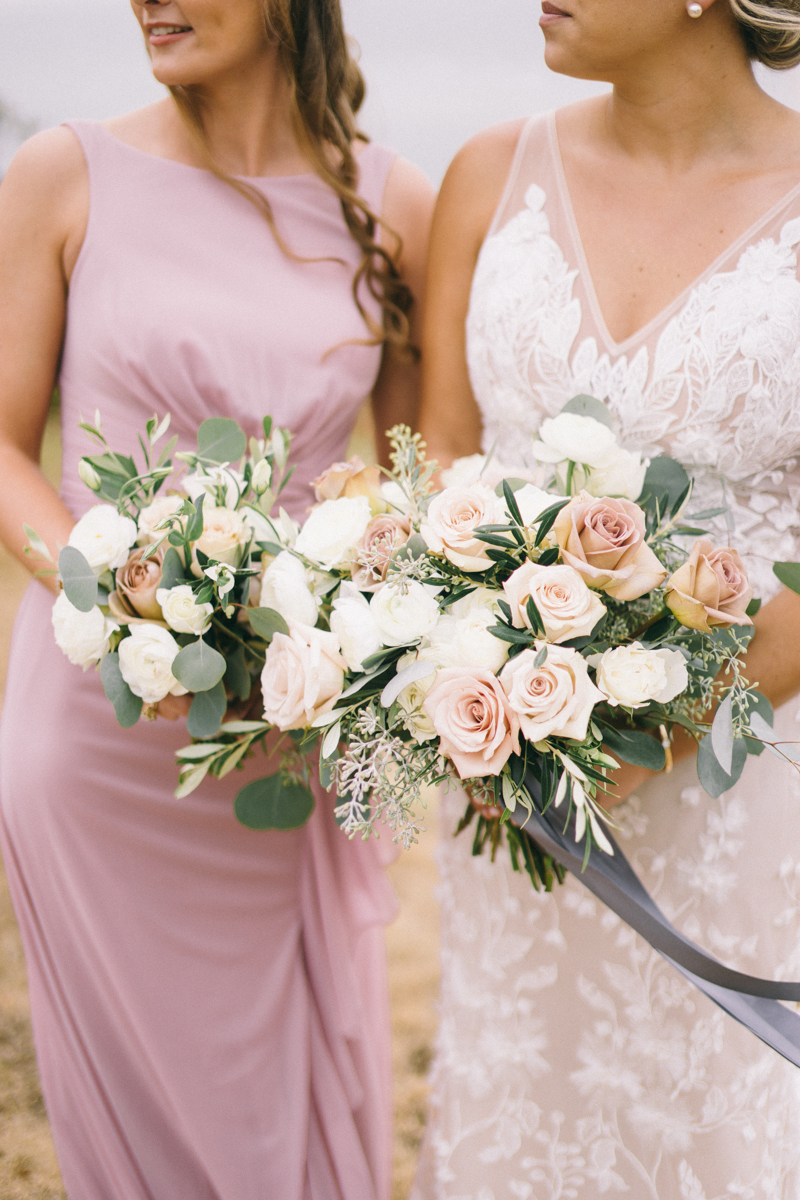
(145, 661)
(83, 637)
(286, 586)
(224, 534)
(151, 517)
(209, 480)
(416, 720)
(633, 676)
(354, 624)
(104, 538)
(464, 471)
(532, 502)
(467, 642)
(333, 530)
(396, 498)
(180, 611)
(404, 614)
(261, 527)
(572, 437)
(483, 599)
(621, 476)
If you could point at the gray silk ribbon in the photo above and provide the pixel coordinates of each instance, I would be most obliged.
(754, 1002)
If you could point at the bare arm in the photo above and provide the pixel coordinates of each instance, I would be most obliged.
(450, 421)
(43, 214)
(407, 211)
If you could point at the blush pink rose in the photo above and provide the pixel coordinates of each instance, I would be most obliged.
(710, 589)
(567, 606)
(605, 540)
(351, 478)
(383, 536)
(137, 583)
(477, 727)
(554, 700)
(302, 677)
(452, 518)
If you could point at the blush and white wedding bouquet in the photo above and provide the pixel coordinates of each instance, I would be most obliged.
(514, 638)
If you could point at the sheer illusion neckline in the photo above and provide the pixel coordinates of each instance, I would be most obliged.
(640, 335)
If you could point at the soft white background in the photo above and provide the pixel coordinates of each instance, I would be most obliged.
(438, 70)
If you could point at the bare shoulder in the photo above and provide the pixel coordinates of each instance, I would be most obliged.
(144, 127)
(409, 194)
(477, 175)
(45, 192)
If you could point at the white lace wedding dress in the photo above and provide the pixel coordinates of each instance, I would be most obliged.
(572, 1061)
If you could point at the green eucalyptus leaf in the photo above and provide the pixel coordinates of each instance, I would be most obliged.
(754, 607)
(714, 779)
(237, 676)
(664, 484)
(789, 574)
(208, 709)
(273, 803)
(722, 734)
(221, 440)
(588, 406)
(78, 578)
(199, 667)
(195, 523)
(639, 749)
(127, 706)
(172, 572)
(266, 622)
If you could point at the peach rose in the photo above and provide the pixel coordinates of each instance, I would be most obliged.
(383, 536)
(452, 518)
(302, 677)
(555, 699)
(351, 478)
(137, 584)
(710, 589)
(476, 724)
(568, 608)
(605, 540)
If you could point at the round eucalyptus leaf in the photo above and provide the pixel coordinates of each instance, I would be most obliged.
(199, 667)
(127, 706)
(713, 778)
(78, 578)
(221, 440)
(639, 749)
(208, 709)
(266, 622)
(172, 572)
(588, 406)
(272, 803)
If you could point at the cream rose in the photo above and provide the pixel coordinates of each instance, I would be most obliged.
(354, 624)
(384, 535)
(711, 589)
(145, 661)
(224, 534)
(605, 541)
(452, 518)
(286, 587)
(137, 586)
(150, 518)
(333, 531)
(351, 478)
(180, 611)
(571, 437)
(83, 637)
(553, 700)
(633, 676)
(104, 538)
(477, 727)
(568, 608)
(404, 613)
(303, 676)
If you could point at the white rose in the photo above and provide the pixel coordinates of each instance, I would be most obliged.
(333, 530)
(83, 637)
(151, 517)
(224, 533)
(145, 661)
(532, 502)
(404, 616)
(482, 599)
(410, 700)
(354, 624)
(467, 640)
(452, 518)
(104, 538)
(632, 676)
(180, 611)
(623, 476)
(286, 586)
(302, 677)
(579, 439)
(207, 481)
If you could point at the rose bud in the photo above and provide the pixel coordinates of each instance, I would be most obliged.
(137, 584)
(710, 589)
(383, 536)
(605, 540)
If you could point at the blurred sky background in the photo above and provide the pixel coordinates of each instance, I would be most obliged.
(437, 70)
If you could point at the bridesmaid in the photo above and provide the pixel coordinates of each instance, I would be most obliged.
(209, 1004)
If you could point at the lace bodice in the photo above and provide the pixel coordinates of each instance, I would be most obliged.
(713, 380)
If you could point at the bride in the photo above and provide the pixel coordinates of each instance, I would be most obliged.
(641, 247)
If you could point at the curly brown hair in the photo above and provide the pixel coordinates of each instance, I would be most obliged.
(771, 30)
(327, 91)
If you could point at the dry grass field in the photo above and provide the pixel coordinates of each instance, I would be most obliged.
(28, 1167)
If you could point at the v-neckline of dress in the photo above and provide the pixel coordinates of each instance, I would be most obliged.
(641, 335)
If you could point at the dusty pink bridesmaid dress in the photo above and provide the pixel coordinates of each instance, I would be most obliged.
(209, 1004)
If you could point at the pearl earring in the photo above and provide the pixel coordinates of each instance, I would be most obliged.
(694, 10)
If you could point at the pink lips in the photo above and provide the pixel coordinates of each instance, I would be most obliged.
(551, 15)
(163, 39)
